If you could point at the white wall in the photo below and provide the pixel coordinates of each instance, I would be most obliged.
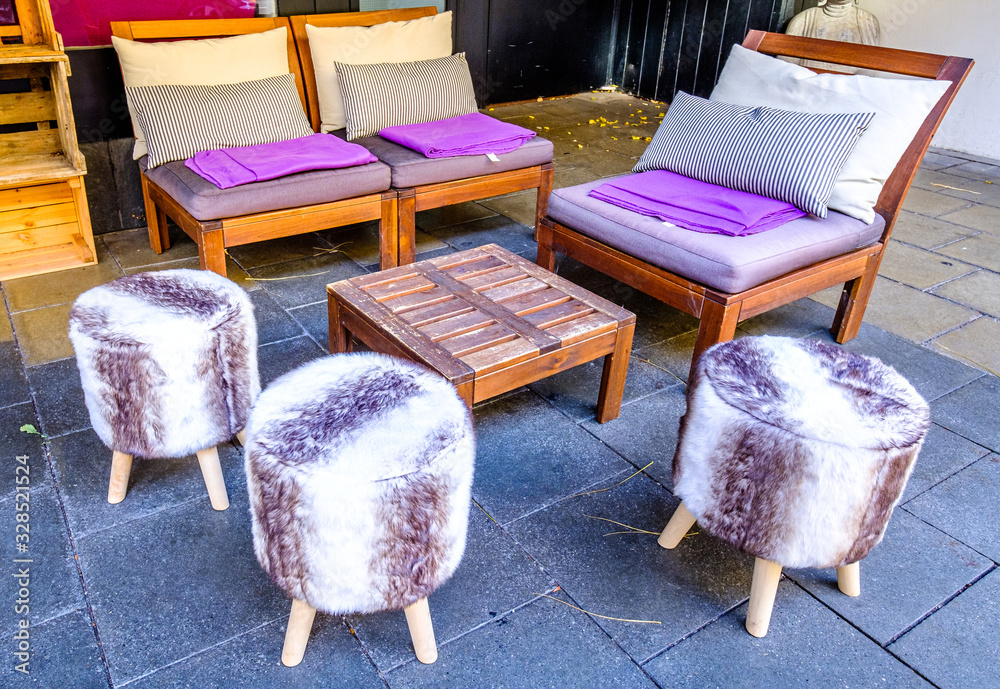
(967, 28)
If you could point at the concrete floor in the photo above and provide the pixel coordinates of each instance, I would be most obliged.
(161, 591)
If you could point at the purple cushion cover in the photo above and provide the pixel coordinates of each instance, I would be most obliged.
(728, 264)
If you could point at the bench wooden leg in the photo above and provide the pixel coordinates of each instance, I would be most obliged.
(609, 402)
(678, 526)
(544, 190)
(407, 211)
(121, 467)
(388, 232)
(156, 221)
(418, 618)
(300, 624)
(546, 256)
(718, 324)
(854, 301)
(212, 249)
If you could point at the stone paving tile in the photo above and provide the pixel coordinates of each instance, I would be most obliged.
(43, 334)
(908, 312)
(798, 319)
(572, 176)
(360, 242)
(131, 247)
(48, 565)
(498, 229)
(629, 576)
(259, 254)
(333, 659)
(974, 170)
(919, 268)
(932, 204)
(315, 319)
(519, 206)
(640, 442)
(463, 603)
(233, 271)
(673, 355)
(304, 281)
(6, 332)
(806, 645)
(602, 163)
(929, 233)
(545, 644)
(980, 291)
(82, 467)
(159, 594)
(943, 454)
(273, 322)
(915, 569)
(64, 653)
(961, 188)
(278, 358)
(575, 391)
(978, 217)
(61, 287)
(972, 412)
(931, 375)
(935, 161)
(975, 343)
(530, 455)
(979, 250)
(457, 214)
(59, 396)
(654, 320)
(965, 506)
(16, 442)
(13, 384)
(948, 648)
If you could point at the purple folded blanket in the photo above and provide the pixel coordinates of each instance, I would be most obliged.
(230, 167)
(466, 135)
(696, 205)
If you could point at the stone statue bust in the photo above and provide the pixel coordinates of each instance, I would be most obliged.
(837, 20)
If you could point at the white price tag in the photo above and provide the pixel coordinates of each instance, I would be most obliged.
(493, 157)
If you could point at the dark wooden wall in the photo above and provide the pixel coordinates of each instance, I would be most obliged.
(665, 46)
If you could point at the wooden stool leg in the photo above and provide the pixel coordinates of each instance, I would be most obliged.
(678, 525)
(121, 467)
(762, 590)
(418, 618)
(300, 623)
(849, 579)
(241, 438)
(212, 471)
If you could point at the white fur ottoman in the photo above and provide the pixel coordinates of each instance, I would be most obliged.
(795, 452)
(168, 362)
(359, 468)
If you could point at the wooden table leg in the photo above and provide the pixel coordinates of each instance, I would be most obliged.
(609, 402)
(339, 337)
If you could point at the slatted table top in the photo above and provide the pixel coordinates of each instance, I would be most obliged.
(481, 311)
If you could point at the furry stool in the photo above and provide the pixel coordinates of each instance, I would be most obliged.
(795, 452)
(359, 468)
(168, 362)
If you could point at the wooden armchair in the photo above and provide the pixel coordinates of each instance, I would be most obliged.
(720, 311)
(277, 216)
(439, 182)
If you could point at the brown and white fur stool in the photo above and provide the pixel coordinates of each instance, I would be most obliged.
(168, 362)
(359, 468)
(796, 452)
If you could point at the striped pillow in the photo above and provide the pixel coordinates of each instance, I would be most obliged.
(789, 156)
(389, 94)
(180, 121)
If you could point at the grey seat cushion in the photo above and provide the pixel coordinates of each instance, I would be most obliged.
(412, 169)
(728, 264)
(205, 201)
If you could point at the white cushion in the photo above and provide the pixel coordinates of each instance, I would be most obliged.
(753, 79)
(203, 62)
(418, 39)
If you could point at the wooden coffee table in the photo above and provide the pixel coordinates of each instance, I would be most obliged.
(488, 320)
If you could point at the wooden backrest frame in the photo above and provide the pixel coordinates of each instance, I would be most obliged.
(905, 62)
(169, 29)
(341, 19)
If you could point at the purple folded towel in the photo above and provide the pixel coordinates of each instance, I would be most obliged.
(696, 205)
(230, 167)
(466, 135)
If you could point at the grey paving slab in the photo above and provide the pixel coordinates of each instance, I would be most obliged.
(273, 322)
(495, 577)
(932, 375)
(936, 161)
(806, 645)
(529, 455)
(972, 412)
(976, 170)
(980, 291)
(45, 568)
(588, 278)
(13, 384)
(920, 268)
(915, 569)
(646, 432)
(496, 229)
(59, 396)
(14, 443)
(798, 319)
(304, 281)
(278, 358)
(628, 575)
(64, 653)
(575, 391)
(545, 644)
(932, 204)
(673, 355)
(975, 343)
(927, 233)
(83, 467)
(273, 251)
(965, 506)
(977, 217)
(131, 247)
(315, 320)
(943, 454)
(456, 214)
(982, 250)
(952, 647)
(654, 320)
(333, 660)
(175, 583)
